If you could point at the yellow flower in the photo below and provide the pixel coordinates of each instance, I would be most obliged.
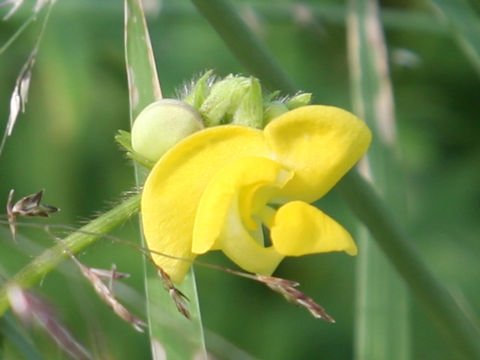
(215, 188)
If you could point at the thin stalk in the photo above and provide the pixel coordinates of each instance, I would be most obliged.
(435, 300)
(17, 33)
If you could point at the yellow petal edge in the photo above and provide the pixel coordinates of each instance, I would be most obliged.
(320, 144)
(300, 229)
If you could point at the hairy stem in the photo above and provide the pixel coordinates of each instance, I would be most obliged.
(75, 242)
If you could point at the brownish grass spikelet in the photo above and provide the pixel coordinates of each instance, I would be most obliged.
(28, 206)
(288, 289)
(106, 292)
(176, 295)
(19, 96)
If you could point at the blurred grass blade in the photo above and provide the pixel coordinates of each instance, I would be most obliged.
(464, 22)
(370, 209)
(14, 334)
(392, 17)
(380, 290)
(172, 335)
(457, 329)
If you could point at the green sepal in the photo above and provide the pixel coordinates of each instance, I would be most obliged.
(124, 139)
(250, 110)
(200, 91)
(298, 100)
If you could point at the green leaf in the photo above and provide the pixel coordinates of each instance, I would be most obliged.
(172, 335)
(143, 85)
(380, 290)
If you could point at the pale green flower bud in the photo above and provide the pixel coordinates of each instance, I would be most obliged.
(161, 125)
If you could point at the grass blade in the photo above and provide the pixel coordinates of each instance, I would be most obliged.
(14, 334)
(143, 85)
(380, 290)
(172, 335)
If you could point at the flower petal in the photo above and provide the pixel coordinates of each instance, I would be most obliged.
(224, 216)
(175, 184)
(239, 245)
(242, 182)
(299, 229)
(320, 144)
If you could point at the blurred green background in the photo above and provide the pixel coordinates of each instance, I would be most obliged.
(78, 99)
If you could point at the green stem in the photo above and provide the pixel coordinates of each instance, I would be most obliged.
(396, 244)
(244, 44)
(51, 258)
